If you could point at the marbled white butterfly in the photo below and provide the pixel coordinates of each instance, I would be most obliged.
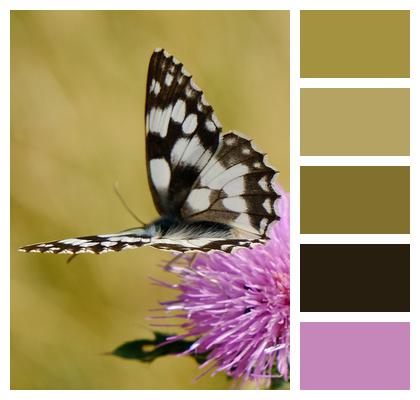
(213, 191)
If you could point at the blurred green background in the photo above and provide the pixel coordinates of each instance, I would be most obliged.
(77, 97)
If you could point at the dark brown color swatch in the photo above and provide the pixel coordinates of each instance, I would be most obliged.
(355, 199)
(352, 278)
(355, 43)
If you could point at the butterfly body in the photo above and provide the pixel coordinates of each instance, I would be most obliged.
(167, 227)
(213, 191)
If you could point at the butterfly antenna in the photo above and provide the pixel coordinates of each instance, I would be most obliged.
(126, 205)
(71, 258)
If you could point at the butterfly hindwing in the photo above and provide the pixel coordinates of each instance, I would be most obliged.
(235, 188)
(182, 132)
(207, 245)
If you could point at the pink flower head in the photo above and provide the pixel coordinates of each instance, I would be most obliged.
(237, 306)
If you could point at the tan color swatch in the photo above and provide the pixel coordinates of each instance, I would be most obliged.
(353, 44)
(355, 122)
(355, 199)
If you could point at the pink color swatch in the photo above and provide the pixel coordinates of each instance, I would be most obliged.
(344, 355)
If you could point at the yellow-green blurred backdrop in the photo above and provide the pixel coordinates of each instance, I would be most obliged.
(77, 95)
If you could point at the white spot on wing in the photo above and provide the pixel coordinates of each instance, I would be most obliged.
(128, 239)
(74, 242)
(114, 239)
(267, 205)
(210, 172)
(188, 244)
(158, 120)
(204, 159)
(193, 151)
(189, 91)
(263, 224)
(88, 244)
(235, 187)
(156, 88)
(178, 150)
(237, 204)
(199, 199)
(152, 85)
(168, 79)
(220, 180)
(108, 244)
(160, 173)
(243, 222)
(263, 182)
(230, 141)
(210, 126)
(65, 251)
(178, 112)
(190, 124)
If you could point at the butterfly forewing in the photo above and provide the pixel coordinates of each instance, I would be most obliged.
(95, 244)
(182, 132)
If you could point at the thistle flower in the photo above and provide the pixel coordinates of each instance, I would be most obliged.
(236, 307)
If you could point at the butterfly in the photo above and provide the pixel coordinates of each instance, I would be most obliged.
(213, 191)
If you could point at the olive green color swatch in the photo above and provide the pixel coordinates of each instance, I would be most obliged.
(355, 44)
(355, 122)
(355, 200)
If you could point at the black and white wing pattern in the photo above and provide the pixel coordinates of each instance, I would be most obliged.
(196, 172)
(235, 188)
(95, 244)
(182, 132)
(213, 191)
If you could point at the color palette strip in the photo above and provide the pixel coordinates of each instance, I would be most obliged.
(345, 120)
(355, 278)
(355, 356)
(355, 200)
(357, 43)
(355, 122)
